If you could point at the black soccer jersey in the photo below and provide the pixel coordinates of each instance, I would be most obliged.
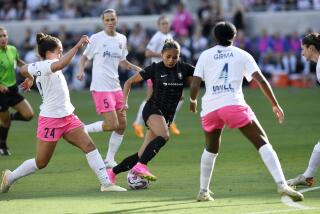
(168, 85)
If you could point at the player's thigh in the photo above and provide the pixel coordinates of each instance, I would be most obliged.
(157, 124)
(81, 139)
(44, 153)
(148, 138)
(24, 108)
(255, 133)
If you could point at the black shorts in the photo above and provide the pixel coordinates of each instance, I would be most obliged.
(150, 109)
(10, 98)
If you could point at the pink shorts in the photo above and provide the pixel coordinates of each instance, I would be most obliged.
(52, 129)
(107, 101)
(149, 84)
(234, 116)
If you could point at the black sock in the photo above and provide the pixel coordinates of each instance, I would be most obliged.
(126, 164)
(17, 116)
(152, 149)
(3, 135)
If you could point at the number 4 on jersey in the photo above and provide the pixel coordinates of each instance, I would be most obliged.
(224, 73)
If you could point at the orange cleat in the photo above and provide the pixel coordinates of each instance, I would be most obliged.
(138, 130)
(174, 129)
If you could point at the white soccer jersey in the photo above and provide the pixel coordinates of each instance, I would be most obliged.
(106, 52)
(156, 43)
(222, 69)
(53, 89)
(318, 70)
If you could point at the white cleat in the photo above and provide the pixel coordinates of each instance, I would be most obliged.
(301, 180)
(289, 191)
(112, 188)
(110, 164)
(204, 196)
(5, 181)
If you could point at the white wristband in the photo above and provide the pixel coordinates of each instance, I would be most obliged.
(193, 101)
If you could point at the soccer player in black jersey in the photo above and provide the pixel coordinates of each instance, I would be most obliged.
(168, 78)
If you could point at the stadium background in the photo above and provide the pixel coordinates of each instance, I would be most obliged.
(269, 29)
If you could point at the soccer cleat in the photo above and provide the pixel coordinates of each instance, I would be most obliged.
(110, 164)
(289, 191)
(138, 130)
(5, 181)
(4, 150)
(112, 188)
(205, 196)
(301, 180)
(142, 171)
(174, 129)
(111, 175)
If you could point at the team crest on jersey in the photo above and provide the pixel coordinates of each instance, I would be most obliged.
(180, 75)
(120, 45)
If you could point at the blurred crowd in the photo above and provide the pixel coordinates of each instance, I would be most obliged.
(69, 9)
(277, 54)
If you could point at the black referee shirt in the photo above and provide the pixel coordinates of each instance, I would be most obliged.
(168, 84)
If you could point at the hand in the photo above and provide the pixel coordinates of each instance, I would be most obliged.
(124, 109)
(27, 84)
(80, 75)
(193, 107)
(279, 113)
(83, 41)
(3, 89)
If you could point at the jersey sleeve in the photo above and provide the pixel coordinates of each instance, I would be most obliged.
(188, 69)
(148, 72)
(124, 50)
(199, 70)
(250, 67)
(89, 51)
(42, 68)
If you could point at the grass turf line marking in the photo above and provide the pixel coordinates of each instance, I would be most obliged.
(289, 202)
(309, 189)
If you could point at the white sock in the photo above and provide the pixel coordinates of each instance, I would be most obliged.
(26, 168)
(139, 119)
(314, 162)
(114, 144)
(178, 109)
(97, 165)
(207, 164)
(270, 159)
(94, 127)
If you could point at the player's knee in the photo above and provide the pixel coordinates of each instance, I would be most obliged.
(28, 116)
(165, 136)
(110, 126)
(41, 163)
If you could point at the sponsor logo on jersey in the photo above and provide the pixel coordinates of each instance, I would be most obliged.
(217, 89)
(172, 84)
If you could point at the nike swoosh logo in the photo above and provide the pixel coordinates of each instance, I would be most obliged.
(163, 75)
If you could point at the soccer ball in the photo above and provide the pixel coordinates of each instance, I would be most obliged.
(136, 182)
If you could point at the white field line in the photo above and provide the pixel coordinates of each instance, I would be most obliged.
(290, 203)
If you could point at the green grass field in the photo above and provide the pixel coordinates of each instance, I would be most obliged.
(241, 182)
